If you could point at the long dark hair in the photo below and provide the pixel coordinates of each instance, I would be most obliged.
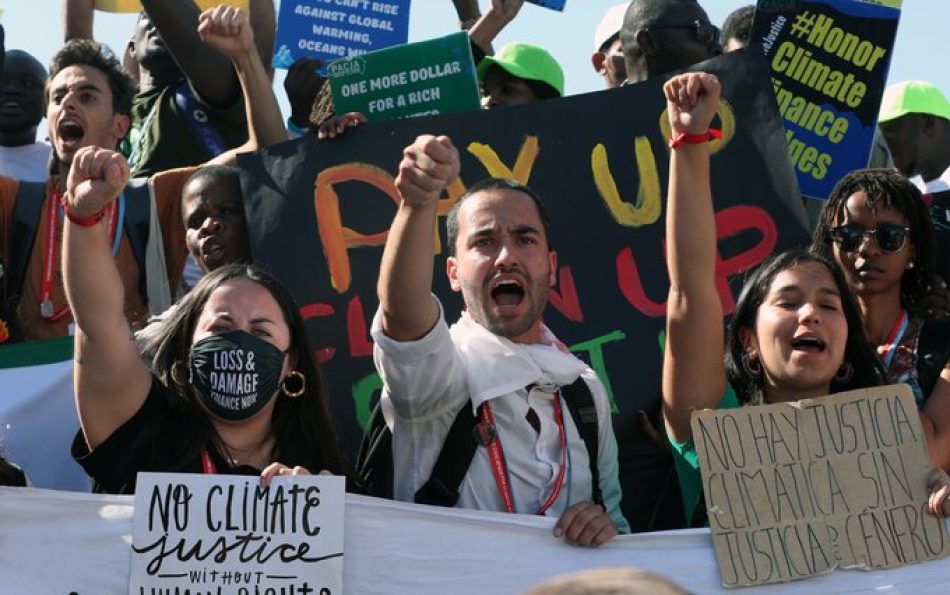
(888, 189)
(857, 351)
(302, 426)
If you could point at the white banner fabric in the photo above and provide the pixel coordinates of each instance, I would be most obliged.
(38, 422)
(63, 542)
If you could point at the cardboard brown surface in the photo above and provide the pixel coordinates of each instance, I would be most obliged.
(799, 489)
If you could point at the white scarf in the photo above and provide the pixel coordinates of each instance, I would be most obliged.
(497, 366)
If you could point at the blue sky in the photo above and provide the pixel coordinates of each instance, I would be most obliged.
(35, 26)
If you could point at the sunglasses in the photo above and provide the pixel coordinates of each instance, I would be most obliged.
(889, 237)
(705, 31)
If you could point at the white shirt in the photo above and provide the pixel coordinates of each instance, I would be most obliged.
(29, 163)
(934, 186)
(428, 381)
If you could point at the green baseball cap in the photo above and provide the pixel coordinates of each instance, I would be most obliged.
(913, 97)
(526, 61)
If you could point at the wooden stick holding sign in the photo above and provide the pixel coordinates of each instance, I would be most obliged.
(799, 489)
(228, 534)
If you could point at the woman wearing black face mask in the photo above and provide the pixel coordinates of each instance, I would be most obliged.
(235, 390)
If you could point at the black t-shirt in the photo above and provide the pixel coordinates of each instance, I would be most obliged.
(146, 442)
(940, 215)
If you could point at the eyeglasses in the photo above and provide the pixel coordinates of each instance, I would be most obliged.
(889, 237)
(705, 31)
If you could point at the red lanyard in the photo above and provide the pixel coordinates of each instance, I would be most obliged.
(207, 464)
(889, 349)
(500, 468)
(46, 290)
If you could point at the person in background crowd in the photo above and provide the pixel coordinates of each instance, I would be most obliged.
(22, 106)
(188, 108)
(89, 100)
(304, 87)
(487, 27)
(607, 581)
(660, 36)
(737, 27)
(212, 210)
(796, 332)
(607, 59)
(11, 475)
(468, 13)
(876, 227)
(915, 122)
(519, 74)
(499, 359)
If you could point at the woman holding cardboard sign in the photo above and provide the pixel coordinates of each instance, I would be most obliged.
(796, 332)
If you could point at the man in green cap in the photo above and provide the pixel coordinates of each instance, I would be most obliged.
(915, 122)
(520, 73)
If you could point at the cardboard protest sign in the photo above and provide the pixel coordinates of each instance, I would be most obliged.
(325, 30)
(136, 6)
(319, 212)
(798, 489)
(227, 534)
(552, 4)
(418, 79)
(829, 61)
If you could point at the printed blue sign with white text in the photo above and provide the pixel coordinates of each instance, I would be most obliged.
(332, 29)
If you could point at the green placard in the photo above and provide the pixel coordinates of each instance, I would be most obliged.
(417, 79)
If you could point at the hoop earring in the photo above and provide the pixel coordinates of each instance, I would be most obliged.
(176, 374)
(751, 365)
(844, 373)
(297, 377)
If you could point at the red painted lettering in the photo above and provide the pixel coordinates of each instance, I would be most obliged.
(566, 302)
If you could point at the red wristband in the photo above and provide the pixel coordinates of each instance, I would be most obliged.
(684, 138)
(83, 221)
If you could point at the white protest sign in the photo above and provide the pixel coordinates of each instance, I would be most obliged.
(798, 489)
(226, 534)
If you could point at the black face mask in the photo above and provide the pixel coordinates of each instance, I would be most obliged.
(235, 374)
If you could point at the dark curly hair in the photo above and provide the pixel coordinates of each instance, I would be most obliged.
(888, 189)
(86, 52)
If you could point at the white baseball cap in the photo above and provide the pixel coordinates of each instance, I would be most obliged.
(610, 25)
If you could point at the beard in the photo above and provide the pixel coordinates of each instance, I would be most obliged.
(478, 302)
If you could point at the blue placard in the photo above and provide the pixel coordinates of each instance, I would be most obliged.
(829, 61)
(329, 29)
(552, 4)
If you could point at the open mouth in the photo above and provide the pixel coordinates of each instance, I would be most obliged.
(11, 106)
(808, 344)
(211, 251)
(507, 293)
(70, 133)
(868, 268)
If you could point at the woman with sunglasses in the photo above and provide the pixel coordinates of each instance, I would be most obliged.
(876, 227)
(796, 332)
